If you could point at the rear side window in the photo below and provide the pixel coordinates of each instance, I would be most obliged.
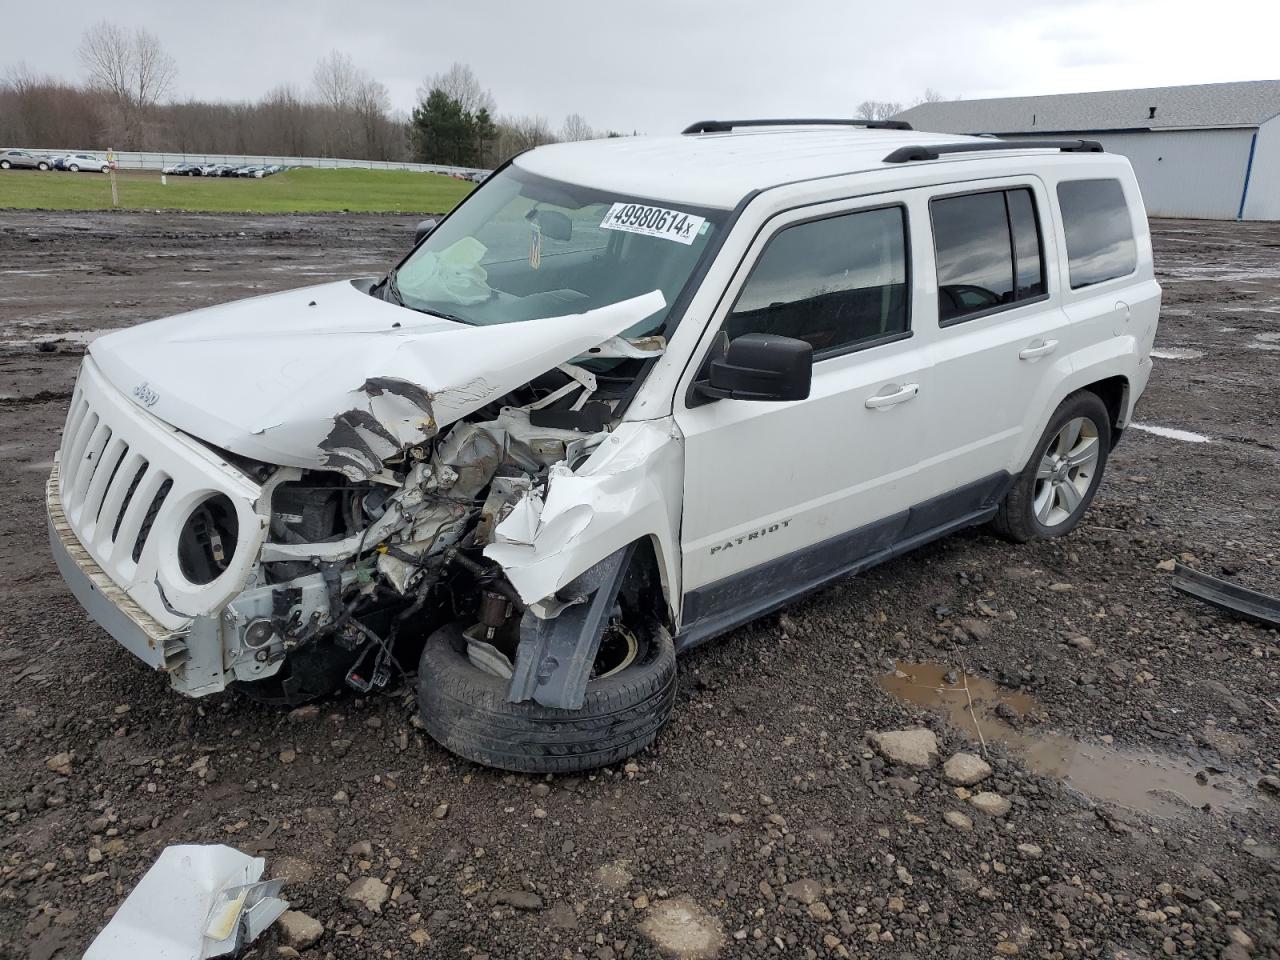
(1099, 231)
(988, 252)
(838, 283)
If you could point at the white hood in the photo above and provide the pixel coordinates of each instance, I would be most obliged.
(331, 377)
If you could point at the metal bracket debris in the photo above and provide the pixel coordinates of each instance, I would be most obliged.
(554, 657)
(1250, 604)
(195, 902)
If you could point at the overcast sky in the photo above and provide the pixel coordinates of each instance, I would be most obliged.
(656, 65)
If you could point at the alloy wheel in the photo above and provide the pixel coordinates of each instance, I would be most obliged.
(1066, 471)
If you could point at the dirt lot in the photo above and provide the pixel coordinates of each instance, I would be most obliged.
(1129, 727)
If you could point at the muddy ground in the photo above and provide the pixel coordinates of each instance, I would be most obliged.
(1129, 727)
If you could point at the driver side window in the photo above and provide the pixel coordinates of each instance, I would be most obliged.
(838, 283)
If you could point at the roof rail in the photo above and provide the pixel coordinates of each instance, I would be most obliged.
(724, 126)
(931, 151)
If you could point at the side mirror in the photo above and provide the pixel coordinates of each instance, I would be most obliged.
(424, 229)
(760, 366)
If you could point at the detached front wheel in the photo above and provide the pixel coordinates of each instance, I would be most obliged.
(465, 708)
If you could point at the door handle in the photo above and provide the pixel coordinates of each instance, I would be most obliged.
(895, 395)
(1041, 349)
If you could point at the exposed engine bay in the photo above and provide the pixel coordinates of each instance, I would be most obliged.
(354, 570)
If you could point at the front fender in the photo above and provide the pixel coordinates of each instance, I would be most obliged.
(629, 489)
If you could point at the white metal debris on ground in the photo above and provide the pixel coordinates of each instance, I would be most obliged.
(1171, 433)
(1177, 353)
(194, 903)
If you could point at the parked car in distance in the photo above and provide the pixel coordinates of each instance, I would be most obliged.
(77, 162)
(638, 392)
(22, 160)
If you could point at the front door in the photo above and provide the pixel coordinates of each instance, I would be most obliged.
(780, 495)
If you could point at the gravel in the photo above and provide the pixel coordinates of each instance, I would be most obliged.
(767, 776)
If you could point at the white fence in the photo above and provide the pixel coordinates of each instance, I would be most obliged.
(150, 160)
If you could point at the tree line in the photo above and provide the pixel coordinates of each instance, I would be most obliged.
(123, 101)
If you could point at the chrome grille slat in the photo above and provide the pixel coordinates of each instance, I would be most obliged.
(131, 518)
(90, 461)
(75, 413)
(144, 528)
(75, 454)
(113, 501)
(112, 458)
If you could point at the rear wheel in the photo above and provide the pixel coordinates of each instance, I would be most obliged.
(4, 164)
(465, 709)
(1053, 491)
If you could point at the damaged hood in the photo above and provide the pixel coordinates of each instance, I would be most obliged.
(331, 377)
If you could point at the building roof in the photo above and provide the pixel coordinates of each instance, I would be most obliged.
(1248, 104)
(719, 169)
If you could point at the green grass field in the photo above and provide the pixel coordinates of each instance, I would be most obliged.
(373, 191)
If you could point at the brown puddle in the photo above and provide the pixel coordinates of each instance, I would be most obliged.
(1149, 782)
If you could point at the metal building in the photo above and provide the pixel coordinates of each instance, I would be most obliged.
(1210, 150)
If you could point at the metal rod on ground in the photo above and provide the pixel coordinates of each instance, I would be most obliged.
(973, 713)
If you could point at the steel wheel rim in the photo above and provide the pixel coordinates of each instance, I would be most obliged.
(619, 648)
(1066, 471)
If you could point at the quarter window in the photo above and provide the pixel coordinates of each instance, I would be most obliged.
(1099, 231)
(837, 283)
(988, 252)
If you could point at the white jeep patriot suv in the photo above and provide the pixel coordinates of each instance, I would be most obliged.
(627, 395)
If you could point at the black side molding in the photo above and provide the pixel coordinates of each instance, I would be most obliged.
(724, 126)
(932, 151)
(1250, 604)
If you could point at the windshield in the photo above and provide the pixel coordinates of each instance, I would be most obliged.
(524, 247)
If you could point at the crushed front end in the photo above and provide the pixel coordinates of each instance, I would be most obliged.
(288, 581)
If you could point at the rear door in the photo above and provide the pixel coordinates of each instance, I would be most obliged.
(1002, 339)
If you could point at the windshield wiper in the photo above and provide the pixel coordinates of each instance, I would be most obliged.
(391, 289)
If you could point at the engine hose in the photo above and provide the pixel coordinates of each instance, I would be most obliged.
(492, 579)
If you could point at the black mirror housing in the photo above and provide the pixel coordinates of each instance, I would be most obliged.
(760, 366)
(553, 224)
(424, 229)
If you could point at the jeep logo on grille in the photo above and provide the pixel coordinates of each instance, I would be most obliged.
(145, 395)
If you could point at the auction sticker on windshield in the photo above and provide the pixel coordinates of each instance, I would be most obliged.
(653, 222)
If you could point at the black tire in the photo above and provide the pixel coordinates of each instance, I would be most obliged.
(1016, 519)
(466, 711)
(73, 168)
(4, 164)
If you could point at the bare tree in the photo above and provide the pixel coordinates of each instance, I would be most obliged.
(133, 69)
(878, 109)
(460, 83)
(106, 53)
(931, 95)
(576, 128)
(336, 80)
(521, 133)
(372, 103)
(153, 70)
